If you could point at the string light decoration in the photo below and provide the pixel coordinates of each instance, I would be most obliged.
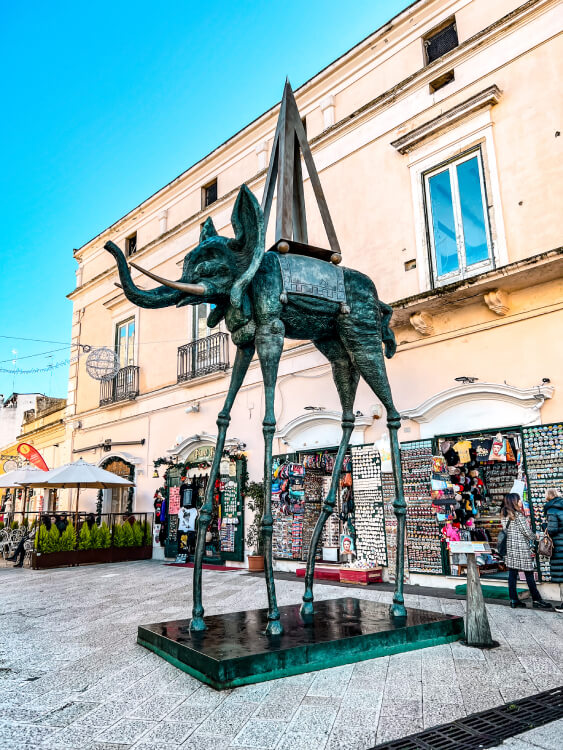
(102, 364)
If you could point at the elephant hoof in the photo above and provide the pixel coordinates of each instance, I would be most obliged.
(306, 612)
(397, 610)
(197, 625)
(274, 628)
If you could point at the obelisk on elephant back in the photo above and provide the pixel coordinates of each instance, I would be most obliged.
(327, 281)
(295, 291)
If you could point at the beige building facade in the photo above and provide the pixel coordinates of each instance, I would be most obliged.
(43, 426)
(437, 141)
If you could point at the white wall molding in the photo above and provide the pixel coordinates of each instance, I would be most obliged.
(123, 455)
(320, 429)
(423, 323)
(479, 406)
(199, 440)
(163, 220)
(327, 106)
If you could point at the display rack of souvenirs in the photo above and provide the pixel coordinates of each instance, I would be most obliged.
(230, 507)
(298, 491)
(388, 489)
(424, 547)
(313, 500)
(288, 501)
(371, 544)
(331, 531)
(543, 446)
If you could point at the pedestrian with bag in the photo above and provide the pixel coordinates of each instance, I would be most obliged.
(553, 510)
(520, 554)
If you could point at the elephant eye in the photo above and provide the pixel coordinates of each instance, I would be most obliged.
(211, 268)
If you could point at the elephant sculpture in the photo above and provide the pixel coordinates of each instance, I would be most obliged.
(262, 303)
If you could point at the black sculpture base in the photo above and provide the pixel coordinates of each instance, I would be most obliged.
(235, 651)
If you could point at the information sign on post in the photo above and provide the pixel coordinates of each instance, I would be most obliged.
(469, 547)
(477, 628)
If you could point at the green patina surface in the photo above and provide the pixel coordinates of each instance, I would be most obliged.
(344, 631)
(246, 286)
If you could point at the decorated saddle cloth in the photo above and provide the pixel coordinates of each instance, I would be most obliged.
(312, 277)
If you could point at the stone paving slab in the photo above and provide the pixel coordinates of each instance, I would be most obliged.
(72, 676)
(548, 737)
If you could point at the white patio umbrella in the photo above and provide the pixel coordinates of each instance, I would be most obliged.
(80, 474)
(18, 478)
(23, 477)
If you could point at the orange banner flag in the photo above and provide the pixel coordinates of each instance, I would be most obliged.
(32, 454)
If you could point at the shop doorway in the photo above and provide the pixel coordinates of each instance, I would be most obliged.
(119, 499)
(184, 492)
(359, 533)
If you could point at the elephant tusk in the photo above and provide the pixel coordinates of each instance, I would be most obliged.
(198, 289)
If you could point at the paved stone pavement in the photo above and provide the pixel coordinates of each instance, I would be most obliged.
(548, 737)
(72, 675)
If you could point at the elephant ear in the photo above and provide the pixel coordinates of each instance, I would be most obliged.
(248, 245)
(208, 230)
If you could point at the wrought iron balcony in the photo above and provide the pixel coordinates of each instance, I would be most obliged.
(124, 387)
(203, 356)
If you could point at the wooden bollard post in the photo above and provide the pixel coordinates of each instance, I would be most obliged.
(477, 628)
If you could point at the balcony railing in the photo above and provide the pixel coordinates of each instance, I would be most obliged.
(203, 356)
(124, 387)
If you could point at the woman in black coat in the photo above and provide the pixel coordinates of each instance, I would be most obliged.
(554, 512)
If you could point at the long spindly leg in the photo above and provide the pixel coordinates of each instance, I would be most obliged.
(346, 379)
(269, 345)
(366, 351)
(240, 367)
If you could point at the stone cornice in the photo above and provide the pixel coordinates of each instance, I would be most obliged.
(537, 269)
(486, 98)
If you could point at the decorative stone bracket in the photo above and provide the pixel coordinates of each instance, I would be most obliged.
(497, 301)
(423, 323)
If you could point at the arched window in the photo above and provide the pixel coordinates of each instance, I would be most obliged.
(119, 499)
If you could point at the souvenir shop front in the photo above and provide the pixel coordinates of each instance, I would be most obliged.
(360, 534)
(176, 504)
(454, 488)
(455, 485)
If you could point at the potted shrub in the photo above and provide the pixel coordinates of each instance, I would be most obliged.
(255, 494)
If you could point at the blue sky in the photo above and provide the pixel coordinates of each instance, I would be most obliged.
(104, 104)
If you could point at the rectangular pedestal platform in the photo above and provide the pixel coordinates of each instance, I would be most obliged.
(234, 649)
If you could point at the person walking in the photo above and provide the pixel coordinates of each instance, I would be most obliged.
(520, 555)
(553, 510)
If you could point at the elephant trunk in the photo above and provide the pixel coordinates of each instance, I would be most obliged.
(162, 296)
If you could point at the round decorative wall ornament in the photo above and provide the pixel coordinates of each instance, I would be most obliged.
(10, 465)
(102, 363)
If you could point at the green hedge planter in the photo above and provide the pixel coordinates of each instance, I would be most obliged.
(89, 556)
